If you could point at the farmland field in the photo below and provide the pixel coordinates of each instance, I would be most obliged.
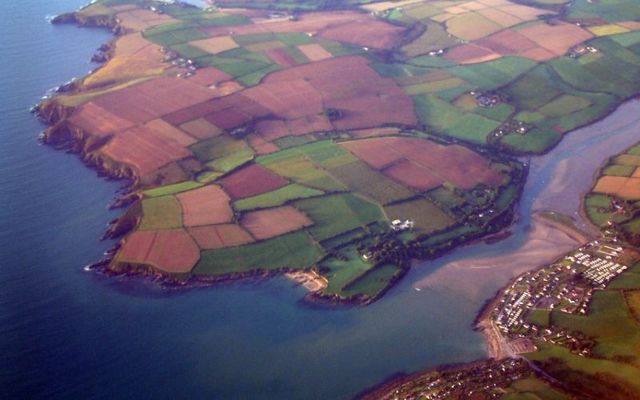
(335, 214)
(294, 250)
(243, 127)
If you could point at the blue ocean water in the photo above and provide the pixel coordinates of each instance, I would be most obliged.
(67, 333)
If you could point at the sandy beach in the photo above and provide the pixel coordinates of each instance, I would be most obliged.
(546, 241)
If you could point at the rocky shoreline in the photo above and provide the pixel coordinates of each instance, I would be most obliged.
(61, 135)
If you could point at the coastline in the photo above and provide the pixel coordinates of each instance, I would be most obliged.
(60, 135)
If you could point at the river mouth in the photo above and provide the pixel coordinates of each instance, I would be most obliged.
(557, 183)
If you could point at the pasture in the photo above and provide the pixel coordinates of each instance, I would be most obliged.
(293, 251)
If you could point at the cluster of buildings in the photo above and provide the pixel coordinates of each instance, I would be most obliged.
(180, 62)
(488, 377)
(600, 271)
(567, 286)
(580, 50)
(512, 126)
(398, 225)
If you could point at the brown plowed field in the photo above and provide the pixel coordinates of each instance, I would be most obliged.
(345, 26)
(627, 188)
(144, 149)
(373, 33)
(209, 76)
(281, 57)
(219, 236)
(319, 123)
(271, 130)
(556, 38)
(500, 17)
(189, 114)
(226, 88)
(152, 99)
(412, 175)
(370, 152)
(470, 54)
(314, 52)
(137, 245)
(293, 99)
(250, 181)
(271, 222)
(215, 45)
(172, 251)
(261, 146)
(139, 19)
(168, 131)
(507, 42)
(228, 119)
(201, 129)
(97, 121)
(298, 127)
(453, 163)
(538, 54)
(134, 58)
(207, 205)
(349, 83)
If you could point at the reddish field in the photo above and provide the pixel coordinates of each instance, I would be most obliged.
(507, 42)
(314, 52)
(293, 99)
(218, 236)
(170, 132)
(346, 26)
(172, 251)
(144, 149)
(470, 54)
(370, 152)
(209, 76)
(229, 118)
(271, 130)
(261, 146)
(201, 129)
(299, 126)
(152, 99)
(265, 224)
(281, 57)
(139, 19)
(97, 121)
(370, 33)
(557, 38)
(453, 163)
(413, 175)
(207, 205)
(349, 84)
(250, 181)
(627, 188)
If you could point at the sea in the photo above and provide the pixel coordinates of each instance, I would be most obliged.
(68, 333)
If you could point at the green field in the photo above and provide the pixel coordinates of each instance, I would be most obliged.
(361, 178)
(161, 213)
(277, 197)
(336, 214)
(426, 215)
(372, 282)
(294, 250)
(172, 189)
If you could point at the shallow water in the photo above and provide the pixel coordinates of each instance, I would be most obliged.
(66, 333)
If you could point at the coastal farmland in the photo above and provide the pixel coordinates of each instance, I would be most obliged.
(342, 143)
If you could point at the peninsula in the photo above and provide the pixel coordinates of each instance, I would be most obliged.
(334, 144)
(568, 330)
